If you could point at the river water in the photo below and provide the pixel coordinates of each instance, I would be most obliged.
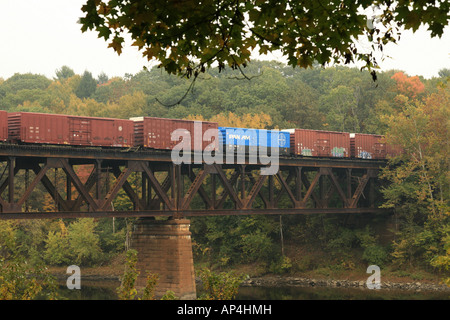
(106, 290)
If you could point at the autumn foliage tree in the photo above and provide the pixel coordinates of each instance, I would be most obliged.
(409, 86)
(420, 181)
(19, 279)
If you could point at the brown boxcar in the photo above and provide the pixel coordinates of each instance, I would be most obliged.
(3, 125)
(319, 143)
(29, 127)
(156, 133)
(367, 146)
(393, 150)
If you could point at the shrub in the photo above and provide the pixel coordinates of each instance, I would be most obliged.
(126, 291)
(376, 255)
(219, 286)
(282, 265)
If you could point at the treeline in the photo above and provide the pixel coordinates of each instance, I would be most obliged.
(340, 98)
(411, 111)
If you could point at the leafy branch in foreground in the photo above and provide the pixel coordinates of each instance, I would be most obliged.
(127, 291)
(21, 281)
(186, 37)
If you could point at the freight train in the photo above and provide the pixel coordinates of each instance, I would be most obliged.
(165, 134)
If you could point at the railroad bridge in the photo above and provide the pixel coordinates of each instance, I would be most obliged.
(84, 182)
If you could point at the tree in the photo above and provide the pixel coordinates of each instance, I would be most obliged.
(19, 280)
(64, 73)
(340, 107)
(102, 78)
(186, 37)
(84, 242)
(419, 179)
(8, 231)
(87, 86)
(444, 73)
(129, 105)
(57, 251)
(301, 106)
(410, 86)
(26, 81)
(111, 90)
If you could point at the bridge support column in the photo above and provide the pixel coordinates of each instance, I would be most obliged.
(164, 247)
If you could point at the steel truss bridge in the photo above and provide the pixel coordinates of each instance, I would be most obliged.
(87, 182)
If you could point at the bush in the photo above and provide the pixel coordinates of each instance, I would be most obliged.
(77, 244)
(282, 265)
(256, 246)
(376, 255)
(57, 248)
(373, 252)
(20, 281)
(84, 242)
(219, 286)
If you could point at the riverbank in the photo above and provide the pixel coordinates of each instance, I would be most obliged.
(114, 272)
(274, 281)
(412, 280)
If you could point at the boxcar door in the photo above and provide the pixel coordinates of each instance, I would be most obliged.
(379, 150)
(323, 144)
(80, 131)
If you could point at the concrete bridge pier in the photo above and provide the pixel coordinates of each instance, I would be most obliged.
(164, 247)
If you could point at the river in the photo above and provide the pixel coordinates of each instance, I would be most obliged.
(106, 290)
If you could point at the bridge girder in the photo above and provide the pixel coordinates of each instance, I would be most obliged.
(87, 182)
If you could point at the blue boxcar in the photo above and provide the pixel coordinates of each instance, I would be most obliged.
(244, 139)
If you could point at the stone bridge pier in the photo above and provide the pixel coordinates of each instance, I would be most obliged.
(164, 247)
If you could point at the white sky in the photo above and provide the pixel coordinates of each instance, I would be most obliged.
(41, 36)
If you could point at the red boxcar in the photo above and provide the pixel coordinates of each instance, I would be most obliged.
(3, 125)
(29, 127)
(393, 150)
(318, 143)
(367, 146)
(156, 133)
